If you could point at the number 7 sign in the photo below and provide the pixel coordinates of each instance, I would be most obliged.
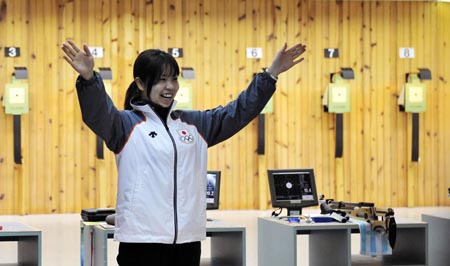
(331, 52)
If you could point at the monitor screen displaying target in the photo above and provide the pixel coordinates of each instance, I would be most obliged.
(293, 189)
(212, 190)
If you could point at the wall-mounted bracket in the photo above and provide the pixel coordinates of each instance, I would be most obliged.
(336, 99)
(413, 99)
(188, 73)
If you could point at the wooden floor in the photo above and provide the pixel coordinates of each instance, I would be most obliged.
(61, 235)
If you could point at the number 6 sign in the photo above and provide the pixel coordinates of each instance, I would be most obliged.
(254, 52)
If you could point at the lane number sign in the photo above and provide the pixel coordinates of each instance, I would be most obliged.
(96, 51)
(254, 52)
(406, 52)
(176, 52)
(12, 51)
(331, 52)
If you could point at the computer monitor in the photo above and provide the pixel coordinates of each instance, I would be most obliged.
(212, 190)
(293, 189)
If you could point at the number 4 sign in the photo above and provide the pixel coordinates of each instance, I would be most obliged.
(96, 51)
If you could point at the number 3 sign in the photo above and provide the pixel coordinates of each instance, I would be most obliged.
(12, 51)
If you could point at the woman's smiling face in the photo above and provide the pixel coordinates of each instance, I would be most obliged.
(163, 91)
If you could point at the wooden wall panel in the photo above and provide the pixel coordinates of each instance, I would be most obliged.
(440, 86)
(60, 172)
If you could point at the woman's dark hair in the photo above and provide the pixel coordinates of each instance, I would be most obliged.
(149, 66)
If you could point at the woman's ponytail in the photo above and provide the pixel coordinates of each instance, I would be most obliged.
(132, 92)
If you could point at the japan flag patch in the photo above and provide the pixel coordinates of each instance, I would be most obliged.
(185, 136)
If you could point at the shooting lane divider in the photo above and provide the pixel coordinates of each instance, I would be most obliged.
(15, 102)
(339, 135)
(261, 134)
(415, 138)
(413, 99)
(99, 148)
(17, 139)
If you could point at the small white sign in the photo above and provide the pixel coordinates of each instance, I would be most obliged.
(96, 51)
(407, 52)
(254, 52)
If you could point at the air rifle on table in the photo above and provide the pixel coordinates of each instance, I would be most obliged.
(381, 220)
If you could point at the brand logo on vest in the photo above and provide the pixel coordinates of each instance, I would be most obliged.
(153, 134)
(185, 136)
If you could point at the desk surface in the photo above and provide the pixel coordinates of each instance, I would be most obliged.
(211, 226)
(17, 228)
(222, 226)
(401, 223)
(445, 215)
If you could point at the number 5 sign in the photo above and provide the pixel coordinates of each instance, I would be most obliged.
(176, 52)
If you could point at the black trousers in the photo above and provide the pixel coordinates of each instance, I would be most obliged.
(154, 254)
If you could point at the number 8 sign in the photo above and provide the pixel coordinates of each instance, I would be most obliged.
(406, 52)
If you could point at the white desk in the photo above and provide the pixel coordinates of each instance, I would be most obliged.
(330, 243)
(438, 238)
(227, 244)
(28, 242)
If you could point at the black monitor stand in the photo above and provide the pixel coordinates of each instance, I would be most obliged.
(294, 211)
